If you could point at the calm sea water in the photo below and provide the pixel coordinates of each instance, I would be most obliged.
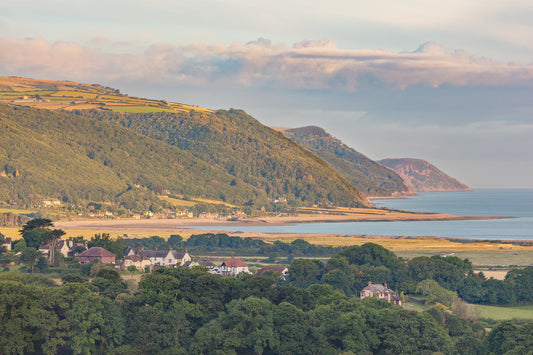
(517, 203)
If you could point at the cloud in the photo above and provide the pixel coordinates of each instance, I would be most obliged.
(311, 65)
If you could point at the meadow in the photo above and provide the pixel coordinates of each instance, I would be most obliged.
(504, 313)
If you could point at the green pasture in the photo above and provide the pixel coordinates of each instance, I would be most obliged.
(505, 313)
(178, 202)
(15, 211)
(481, 257)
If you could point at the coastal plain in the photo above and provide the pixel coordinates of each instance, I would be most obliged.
(493, 257)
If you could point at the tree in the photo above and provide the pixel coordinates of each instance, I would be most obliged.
(305, 272)
(370, 253)
(104, 240)
(53, 237)
(247, 327)
(436, 293)
(3, 249)
(37, 232)
(30, 257)
(36, 224)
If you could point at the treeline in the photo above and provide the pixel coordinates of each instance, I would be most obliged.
(182, 311)
(353, 268)
(221, 243)
(350, 269)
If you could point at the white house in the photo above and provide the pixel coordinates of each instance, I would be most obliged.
(233, 267)
(162, 257)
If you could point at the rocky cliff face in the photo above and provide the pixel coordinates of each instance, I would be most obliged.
(423, 176)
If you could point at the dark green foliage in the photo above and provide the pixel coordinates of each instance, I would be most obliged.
(371, 254)
(508, 338)
(76, 159)
(69, 319)
(262, 164)
(104, 240)
(73, 277)
(515, 289)
(36, 232)
(33, 258)
(223, 244)
(365, 174)
(305, 272)
(182, 311)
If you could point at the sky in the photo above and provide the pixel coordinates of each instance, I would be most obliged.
(450, 82)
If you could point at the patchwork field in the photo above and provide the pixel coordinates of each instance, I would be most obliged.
(69, 96)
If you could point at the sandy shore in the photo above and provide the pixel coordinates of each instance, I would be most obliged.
(171, 225)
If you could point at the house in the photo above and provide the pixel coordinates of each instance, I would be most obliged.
(139, 261)
(205, 264)
(96, 253)
(381, 292)
(233, 267)
(76, 248)
(162, 257)
(269, 269)
(61, 246)
(7, 242)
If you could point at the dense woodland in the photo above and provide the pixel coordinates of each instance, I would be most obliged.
(124, 161)
(256, 157)
(316, 311)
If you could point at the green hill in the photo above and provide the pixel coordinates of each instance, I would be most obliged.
(76, 159)
(84, 142)
(365, 174)
(256, 156)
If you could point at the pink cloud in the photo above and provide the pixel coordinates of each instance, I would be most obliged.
(308, 65)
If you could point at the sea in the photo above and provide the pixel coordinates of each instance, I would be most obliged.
(517, 204)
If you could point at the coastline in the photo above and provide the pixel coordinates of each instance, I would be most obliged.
(482, 253)
(166, 225)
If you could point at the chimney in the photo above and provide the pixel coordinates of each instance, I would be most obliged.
(170, 248)
(369, 283)
(155, 248)
(386, 285)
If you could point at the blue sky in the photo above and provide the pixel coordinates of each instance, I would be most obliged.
(450, 82)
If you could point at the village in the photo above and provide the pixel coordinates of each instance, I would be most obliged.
(148, 260)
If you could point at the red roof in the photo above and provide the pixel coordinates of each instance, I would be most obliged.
(96, 252)
(234, 263)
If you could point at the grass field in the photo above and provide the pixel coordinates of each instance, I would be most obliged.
(177, 202)
(504, 313)
(14, 210)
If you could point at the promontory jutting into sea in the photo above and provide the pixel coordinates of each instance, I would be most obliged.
(514, 203)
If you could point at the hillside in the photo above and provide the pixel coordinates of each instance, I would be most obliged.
(253, 154)
(365, 174)
(226, 156)
(423, 176)
(76, 159)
